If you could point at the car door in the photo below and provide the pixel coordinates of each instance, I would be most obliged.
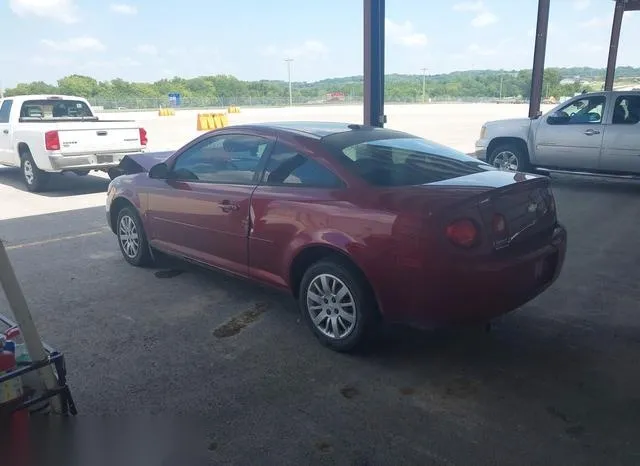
(621, 145)
(6, 145)
(296, 192)
(201, 210)
(571, 137)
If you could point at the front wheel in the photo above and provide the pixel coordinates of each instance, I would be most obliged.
(510, 157)
(132, 239)
(34, 178)
(338, 305)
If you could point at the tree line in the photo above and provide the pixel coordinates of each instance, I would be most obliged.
(398, 87)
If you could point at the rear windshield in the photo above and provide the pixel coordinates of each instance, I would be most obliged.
(407, 161)
(55, 109)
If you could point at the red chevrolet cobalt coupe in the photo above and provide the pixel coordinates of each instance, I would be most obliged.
(360, 224)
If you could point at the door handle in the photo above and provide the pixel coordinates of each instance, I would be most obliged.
(591, 132)
(228, 206)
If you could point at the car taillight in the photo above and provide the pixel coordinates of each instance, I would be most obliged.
(463, 233)
(51, 140)
(143, 136)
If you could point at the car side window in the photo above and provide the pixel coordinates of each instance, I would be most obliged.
(288, 167)
(228, 159)
(5, 110)
(626, 110)
(588, 110)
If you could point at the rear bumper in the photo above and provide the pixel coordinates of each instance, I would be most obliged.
(476, 293)
(60, 163)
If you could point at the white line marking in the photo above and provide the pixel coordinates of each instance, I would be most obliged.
(55, 240)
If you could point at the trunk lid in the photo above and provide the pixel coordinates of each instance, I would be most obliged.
(524, 201)
(138, 163)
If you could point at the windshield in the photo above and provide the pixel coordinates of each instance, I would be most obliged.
(407, 161)
(54, 109)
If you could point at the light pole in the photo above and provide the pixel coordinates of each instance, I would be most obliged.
(501, 79)
(424, 83)
(289, 60)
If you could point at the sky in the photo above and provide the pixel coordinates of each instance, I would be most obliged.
(146, 40)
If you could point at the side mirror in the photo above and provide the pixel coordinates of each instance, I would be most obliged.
(159, 172)
(557, 118)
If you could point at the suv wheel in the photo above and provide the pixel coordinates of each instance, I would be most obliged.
(510, 157)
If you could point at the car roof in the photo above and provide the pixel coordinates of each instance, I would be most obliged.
(315, 129)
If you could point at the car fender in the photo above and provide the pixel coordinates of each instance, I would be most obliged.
(338, 241)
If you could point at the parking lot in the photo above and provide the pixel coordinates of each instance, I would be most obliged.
(556, 382)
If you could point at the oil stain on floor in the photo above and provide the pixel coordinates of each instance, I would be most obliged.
(236, 324)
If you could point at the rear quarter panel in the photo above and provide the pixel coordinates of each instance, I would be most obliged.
(384, 245)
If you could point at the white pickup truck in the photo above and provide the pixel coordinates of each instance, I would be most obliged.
(52, 134)
(596, 134)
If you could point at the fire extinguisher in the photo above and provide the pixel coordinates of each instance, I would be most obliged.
(11, 390)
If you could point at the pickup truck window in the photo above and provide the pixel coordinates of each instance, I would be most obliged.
(54, 109)
(627, 110)
(588, 110)
(5, 110)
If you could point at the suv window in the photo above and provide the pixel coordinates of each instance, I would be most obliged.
(229, 159)
(5, 110)
(588, 110)
(286, 166)
(407, 161)
(626, 110)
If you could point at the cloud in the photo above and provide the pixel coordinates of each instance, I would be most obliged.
(75, 44)
(123, 9)
(475, 49)
(484, 19)
(595, 22)
(147, 49)
(117, 63)
(580, 5)
(51, 61)
(308, 49)
(64, 11)
(469, 6)
(404, 34)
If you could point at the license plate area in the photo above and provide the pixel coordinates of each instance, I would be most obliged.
(104, 158)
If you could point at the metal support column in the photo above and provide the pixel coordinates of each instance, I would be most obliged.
(374, 63)
(613, 46)
(537, 74)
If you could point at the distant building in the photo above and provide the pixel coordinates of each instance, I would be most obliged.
(335, 97)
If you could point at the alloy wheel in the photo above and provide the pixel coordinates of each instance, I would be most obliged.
(506, 160)
(27, 169)
(128, 236)
(331, 306)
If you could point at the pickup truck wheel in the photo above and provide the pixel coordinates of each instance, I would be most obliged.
(132, 238)
(509, 157)
(338, 305)
(34, 178)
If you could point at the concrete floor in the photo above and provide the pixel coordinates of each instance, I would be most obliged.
(555, 382)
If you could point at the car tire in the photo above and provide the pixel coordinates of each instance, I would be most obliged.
(511, 157)
(334, 298)
(132, 238)
(34, 178)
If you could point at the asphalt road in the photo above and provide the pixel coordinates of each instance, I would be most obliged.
(556, 382)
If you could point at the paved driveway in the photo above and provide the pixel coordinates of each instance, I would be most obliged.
(235, 370)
